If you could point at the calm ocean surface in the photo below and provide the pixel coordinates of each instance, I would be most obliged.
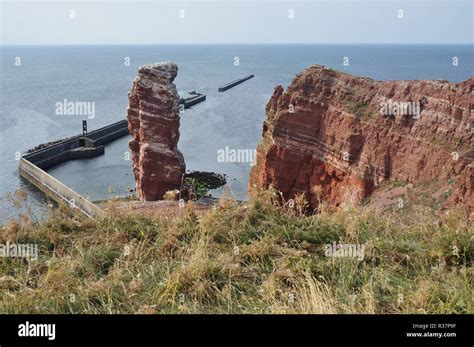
(50, 74)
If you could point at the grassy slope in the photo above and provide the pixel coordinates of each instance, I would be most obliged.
(254, 258)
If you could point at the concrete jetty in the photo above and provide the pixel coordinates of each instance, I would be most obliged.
(234, 83)
(77, 147)
(58, 191)
(193, 99)
(88, 145)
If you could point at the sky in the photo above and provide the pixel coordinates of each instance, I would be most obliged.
(236, 22)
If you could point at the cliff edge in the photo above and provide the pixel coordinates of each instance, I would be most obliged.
(339, 138)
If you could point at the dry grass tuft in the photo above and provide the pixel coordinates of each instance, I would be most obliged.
(263, 256)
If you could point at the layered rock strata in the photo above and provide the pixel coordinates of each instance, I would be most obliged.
(153, 122)
(335, 137)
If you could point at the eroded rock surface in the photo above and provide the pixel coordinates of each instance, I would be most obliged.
(339, 138)
(153, 122)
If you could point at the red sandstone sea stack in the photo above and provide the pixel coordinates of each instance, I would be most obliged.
(153, 122)
(340, 138)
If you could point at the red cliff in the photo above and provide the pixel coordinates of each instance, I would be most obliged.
(153, 121)
(340, 138)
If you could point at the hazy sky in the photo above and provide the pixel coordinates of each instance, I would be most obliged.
(124, 22)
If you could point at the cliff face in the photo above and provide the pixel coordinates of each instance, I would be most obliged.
(341, 138)
(153, 122)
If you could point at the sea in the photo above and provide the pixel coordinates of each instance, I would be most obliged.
(34, 79)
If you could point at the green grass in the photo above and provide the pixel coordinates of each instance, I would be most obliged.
(256, 257)
(359, 108)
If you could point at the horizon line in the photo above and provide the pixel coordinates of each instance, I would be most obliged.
(240, 43)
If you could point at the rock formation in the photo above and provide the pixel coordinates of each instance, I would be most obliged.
(153, 122)
(339, 138)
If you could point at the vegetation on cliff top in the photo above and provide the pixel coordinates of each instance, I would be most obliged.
(258, 257)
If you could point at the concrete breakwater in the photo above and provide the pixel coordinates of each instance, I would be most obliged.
(234, 83)
(89, 145)
(58, 191)
(81, 146)
(193, 99)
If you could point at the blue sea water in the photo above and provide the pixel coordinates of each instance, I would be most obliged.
(50, 74)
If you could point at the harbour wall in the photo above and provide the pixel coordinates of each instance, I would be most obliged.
(33, 164)
(58, 191)
(78, 147)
